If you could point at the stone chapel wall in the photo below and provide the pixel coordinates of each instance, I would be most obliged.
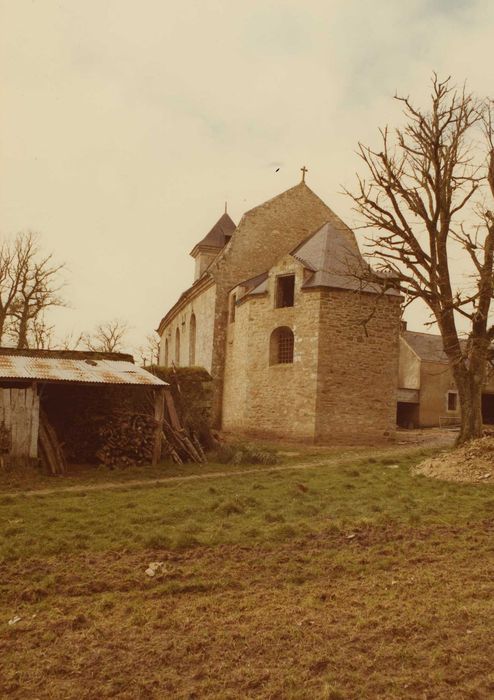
(358, 372)
(263, 236)
(273, 399)
(203, 308)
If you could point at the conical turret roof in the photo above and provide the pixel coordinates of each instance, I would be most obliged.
(218, 236)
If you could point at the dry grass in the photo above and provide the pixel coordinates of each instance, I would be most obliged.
(357, 582)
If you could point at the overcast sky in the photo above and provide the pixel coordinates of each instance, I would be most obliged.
(126, 124)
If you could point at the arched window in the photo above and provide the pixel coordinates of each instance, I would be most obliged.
(281, 346)
(192, 341)
(177, 346)
(166, 352)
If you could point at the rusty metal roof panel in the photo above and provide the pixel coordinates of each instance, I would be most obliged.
(79, 371)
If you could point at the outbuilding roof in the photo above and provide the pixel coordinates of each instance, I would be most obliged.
(428, 346)
(82, 368)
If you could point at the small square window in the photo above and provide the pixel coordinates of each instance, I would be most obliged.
(285, 291)
(452, 401)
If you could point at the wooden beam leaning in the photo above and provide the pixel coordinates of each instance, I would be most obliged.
(159, 415)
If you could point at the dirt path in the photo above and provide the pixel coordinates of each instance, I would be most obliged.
(111, 485)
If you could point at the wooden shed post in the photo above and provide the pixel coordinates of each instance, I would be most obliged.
(159, 415)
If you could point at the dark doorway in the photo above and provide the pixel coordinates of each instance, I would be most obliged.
(407, 415)
(488, 408)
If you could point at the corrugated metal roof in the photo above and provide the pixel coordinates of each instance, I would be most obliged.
(84, 371)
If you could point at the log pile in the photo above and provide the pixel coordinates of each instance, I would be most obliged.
(120, 436)
(128, 439)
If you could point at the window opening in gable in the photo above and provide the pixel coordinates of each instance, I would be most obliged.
(285, 291)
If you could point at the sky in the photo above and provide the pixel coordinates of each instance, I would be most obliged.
(126, 124)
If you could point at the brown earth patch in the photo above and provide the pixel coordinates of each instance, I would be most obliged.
(383, 611)
(474, 462)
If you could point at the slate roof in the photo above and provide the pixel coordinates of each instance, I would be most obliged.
(219, 235)
(335, 260)
(427, 346)
(256, 285)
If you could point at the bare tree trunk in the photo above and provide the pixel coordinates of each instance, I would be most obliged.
(22, 332)
(469, 387)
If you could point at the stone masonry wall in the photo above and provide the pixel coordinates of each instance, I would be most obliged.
(358, 372)
(264, 235)
(202, 307)
(277, 399)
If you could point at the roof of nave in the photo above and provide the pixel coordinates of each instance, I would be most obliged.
(218, 236)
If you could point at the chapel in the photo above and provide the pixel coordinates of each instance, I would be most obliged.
(298, 345)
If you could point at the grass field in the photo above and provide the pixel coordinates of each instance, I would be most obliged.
(342, 580)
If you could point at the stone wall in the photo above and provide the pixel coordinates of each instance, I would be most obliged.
(342, 383)
(202, 306)
(203, 260)
(264, 235)
(358, 367)
(273, 399)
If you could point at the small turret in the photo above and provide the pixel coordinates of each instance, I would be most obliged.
(206, 250)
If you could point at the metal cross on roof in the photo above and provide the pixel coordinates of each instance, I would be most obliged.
(304, 170)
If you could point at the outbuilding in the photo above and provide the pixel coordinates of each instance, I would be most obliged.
(50, 399)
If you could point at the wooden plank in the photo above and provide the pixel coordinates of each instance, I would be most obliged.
(13, 421)
(172, 411)
(159, 414)
(33, 447)
(47, 454)
(7, 408)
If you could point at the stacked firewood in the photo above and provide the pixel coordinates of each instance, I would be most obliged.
(126, 439)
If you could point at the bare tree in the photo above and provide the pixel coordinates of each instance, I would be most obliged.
(29, 284)
(41, 334)
(107, 337)
(70, 341)
(424, 197)
(149, 352)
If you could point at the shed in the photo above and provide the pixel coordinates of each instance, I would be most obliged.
(57, 385)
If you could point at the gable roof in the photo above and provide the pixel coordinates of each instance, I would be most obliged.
(290, 216)
(218, 236)
(335, 260)
(428, 346)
